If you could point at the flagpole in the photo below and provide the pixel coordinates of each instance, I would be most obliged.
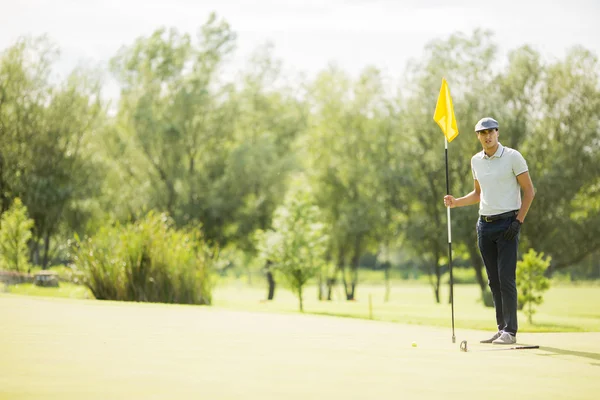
(449, 242)
(444, 116)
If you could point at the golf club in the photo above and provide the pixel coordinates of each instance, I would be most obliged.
(464, 348)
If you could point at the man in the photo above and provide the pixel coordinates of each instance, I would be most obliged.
(499, 172)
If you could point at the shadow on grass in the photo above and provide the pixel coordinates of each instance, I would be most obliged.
(339, 314)
(565, 352)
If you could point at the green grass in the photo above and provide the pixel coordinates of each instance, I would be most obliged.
(566, 308)
(53, 348)
(64, 290)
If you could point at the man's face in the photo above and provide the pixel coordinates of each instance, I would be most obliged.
(488, 138)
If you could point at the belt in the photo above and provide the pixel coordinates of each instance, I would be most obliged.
(492, 218)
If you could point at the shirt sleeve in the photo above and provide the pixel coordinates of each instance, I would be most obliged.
(519, 165)
(473, 170)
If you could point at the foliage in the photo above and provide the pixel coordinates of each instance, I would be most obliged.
(45, 131)
(15, 232)
(563, 149)
(531, 281)
(350, 155)
(464, 60)
(207, 152)
(219, 150)
(146, 261)
(297, 243)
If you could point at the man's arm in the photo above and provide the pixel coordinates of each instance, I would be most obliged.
(471, 198)
(528, 194)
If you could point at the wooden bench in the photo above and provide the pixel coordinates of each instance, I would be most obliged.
(46, 279)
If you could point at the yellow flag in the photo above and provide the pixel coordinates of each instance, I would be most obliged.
(444, 113)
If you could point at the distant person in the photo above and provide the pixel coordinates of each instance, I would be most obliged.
(499, 173)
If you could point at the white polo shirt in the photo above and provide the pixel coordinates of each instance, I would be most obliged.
(497, 176)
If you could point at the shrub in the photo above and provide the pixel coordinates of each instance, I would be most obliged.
(531, 281)
(146, 261)
(15, 232)
(298, 241)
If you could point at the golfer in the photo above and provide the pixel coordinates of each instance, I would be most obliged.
(499, 172)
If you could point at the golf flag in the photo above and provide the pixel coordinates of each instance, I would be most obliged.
(444, 113)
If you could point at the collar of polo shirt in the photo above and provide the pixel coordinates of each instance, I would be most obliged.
(498, 152)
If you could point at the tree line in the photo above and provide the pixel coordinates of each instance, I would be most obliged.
(220, 155)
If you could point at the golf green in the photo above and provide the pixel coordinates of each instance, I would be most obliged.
(86, 349)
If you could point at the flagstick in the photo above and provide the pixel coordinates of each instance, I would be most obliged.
(450, 243)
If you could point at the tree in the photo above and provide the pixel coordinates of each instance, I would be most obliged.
(270, 280)
(531, 281)
(64, 174)
(347, 153)
(45, 131)
(464, 61)
(268, 120)
(15, 232)
(562, 150)
(205, 151)
(298, 241)
(174, 122)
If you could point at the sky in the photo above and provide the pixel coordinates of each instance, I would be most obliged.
(307, 35)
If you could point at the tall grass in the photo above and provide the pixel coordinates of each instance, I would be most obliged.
(146, 261)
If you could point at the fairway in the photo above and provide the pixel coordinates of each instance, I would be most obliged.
(84, 349)
(565, 308)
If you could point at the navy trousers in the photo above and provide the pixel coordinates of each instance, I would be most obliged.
(500, 260)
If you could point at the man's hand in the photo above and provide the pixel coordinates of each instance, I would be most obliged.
(449, 201)
(513, 230)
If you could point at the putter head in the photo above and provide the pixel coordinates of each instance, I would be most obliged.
(463, 346)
